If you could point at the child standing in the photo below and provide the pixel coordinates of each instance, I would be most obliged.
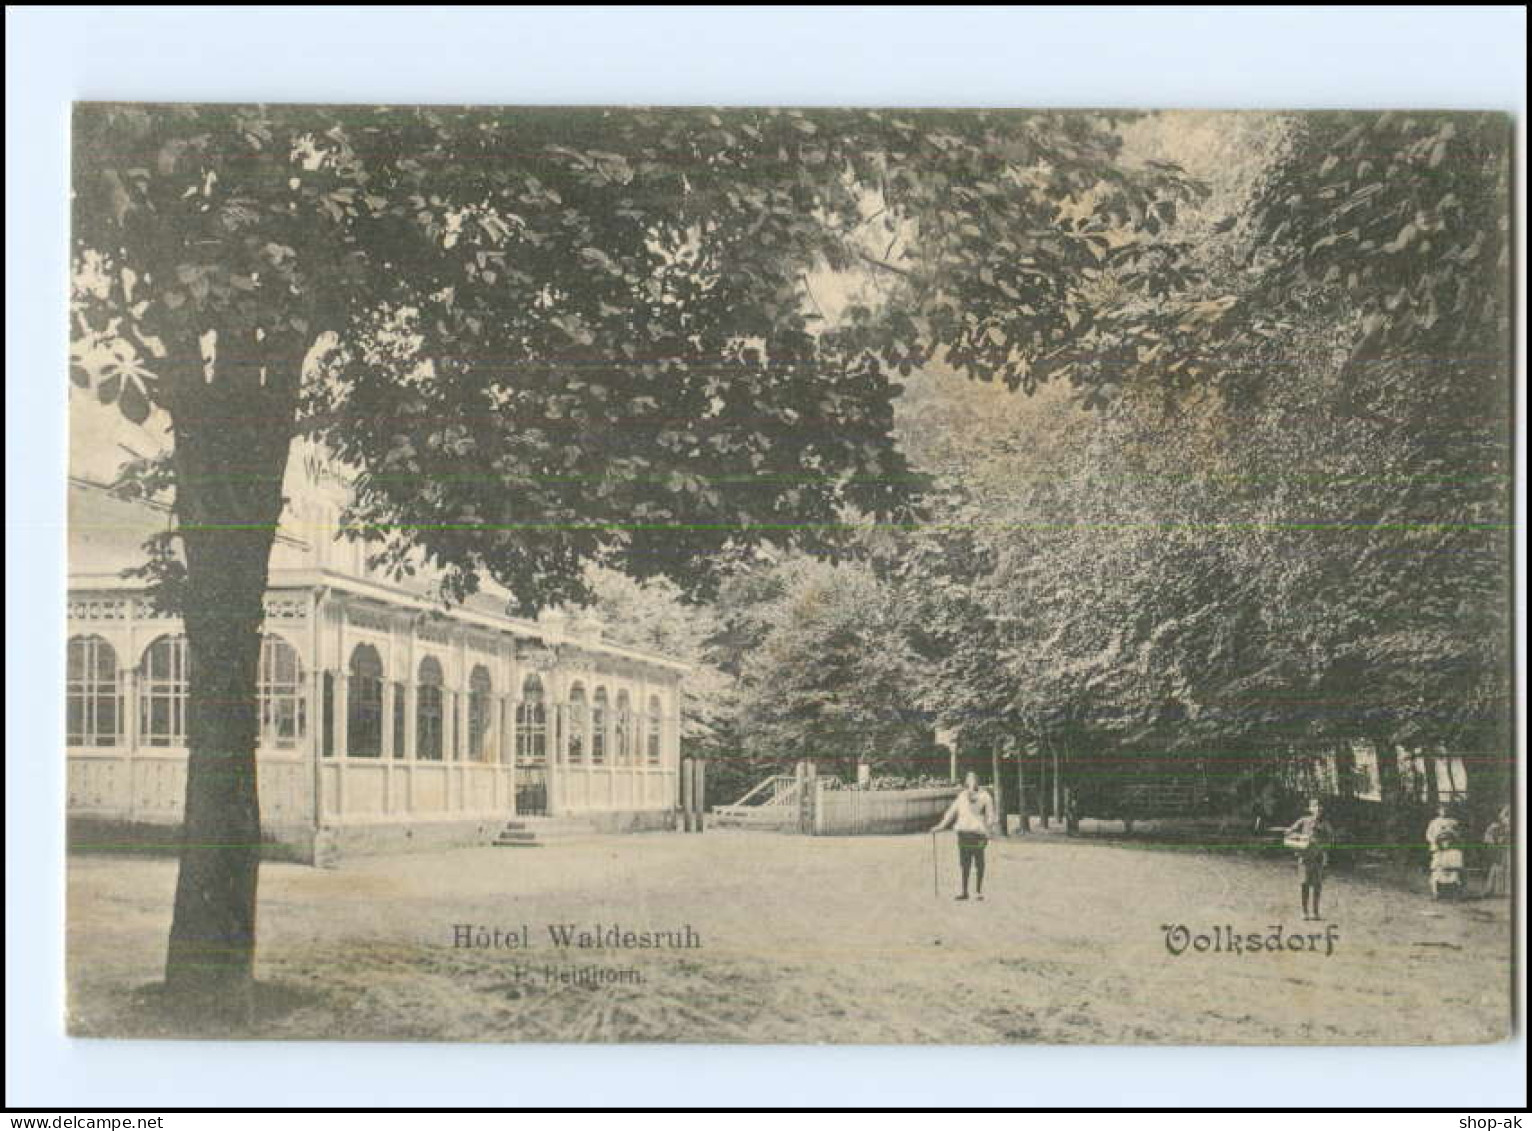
(1311, 836)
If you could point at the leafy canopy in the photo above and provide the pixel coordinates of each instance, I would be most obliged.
(546, 337)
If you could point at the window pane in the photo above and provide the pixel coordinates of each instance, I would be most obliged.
(160, 721)
(91, 693)
(428, 720)
(282, 693)
(74, 720)
(598, 724)
(364, 722)
(364, 707)
(578, 722)
(163, 692)
(106, 730)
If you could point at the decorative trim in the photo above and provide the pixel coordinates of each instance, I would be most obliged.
(287, 608)
(376, 619)
(101, 608)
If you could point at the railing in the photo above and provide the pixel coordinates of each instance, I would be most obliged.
(772, 791)
(771, 804)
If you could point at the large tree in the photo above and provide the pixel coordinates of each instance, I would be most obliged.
(542, 338)
(1288, 526)
(831, 680)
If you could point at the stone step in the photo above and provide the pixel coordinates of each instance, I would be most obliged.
(536, 832)
(735, 820)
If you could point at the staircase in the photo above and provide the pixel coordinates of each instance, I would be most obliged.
(535, 832)
(773, 804)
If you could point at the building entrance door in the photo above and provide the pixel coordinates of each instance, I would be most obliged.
(532, 750)
(531, 791)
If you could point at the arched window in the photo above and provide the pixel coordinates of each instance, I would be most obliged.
(280, 685)
(579, 723)
(94, 709)
(622, 736)
(429, 710)
(653, 740)
(162, 693)
(598, 724)
(479, 700)
(532, 724)
(364, 704)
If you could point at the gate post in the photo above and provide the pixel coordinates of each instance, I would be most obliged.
(809, 784)
(1023, 819)
(686, 795)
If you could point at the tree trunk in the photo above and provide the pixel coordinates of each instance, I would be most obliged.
(1057, 806)
(994, 774)
(1389, 786)
(1393, 832)
(1486, 766)
(1044, 812)
(1345, 771)
(1067, 793)
(230, 455)
(1024, 818)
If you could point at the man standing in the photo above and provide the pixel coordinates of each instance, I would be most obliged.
(1311, 835)
(972, 813)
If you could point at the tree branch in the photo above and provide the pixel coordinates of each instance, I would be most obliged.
(871, 262)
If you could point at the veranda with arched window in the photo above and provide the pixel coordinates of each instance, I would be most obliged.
(377, 715)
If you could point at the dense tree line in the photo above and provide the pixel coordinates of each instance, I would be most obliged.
(1282, 526)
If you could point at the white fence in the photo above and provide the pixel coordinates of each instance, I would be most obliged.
(857, 812)
(775, 803)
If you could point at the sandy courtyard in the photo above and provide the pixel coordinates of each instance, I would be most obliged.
(811, 940)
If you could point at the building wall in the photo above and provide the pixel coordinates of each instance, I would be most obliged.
(319, 787)
(136, 782)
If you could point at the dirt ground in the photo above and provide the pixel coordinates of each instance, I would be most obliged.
(813, 940)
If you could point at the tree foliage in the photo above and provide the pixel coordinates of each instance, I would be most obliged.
(831, 679)
(654, 615)
(1289, 526)
(563, 335)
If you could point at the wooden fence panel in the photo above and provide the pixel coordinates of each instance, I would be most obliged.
(862, 812)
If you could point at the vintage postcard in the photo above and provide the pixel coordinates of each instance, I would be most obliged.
(790, 575)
